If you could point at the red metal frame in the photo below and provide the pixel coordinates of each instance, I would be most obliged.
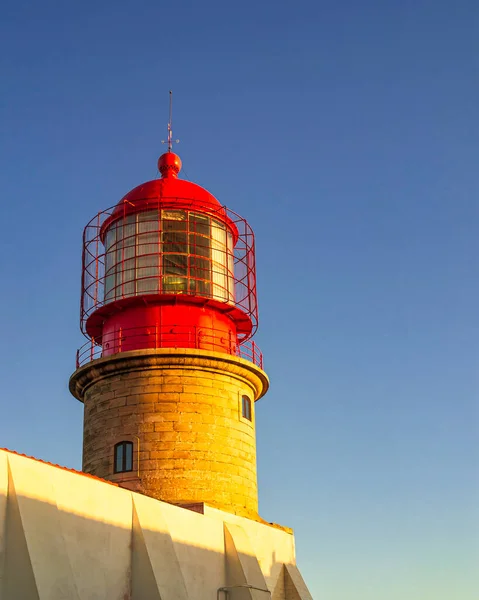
(242, 307)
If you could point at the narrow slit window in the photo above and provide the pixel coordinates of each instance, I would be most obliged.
(123, 457)
(246, 407)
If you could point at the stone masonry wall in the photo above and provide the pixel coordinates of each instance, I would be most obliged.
(183, 415)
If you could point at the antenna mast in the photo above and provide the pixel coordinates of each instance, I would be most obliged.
(170, 141)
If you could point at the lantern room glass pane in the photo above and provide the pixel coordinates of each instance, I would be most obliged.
(199, 224)
(230, 263)
(148, 221)
(110, 238)
(218, 258)
(169, 251)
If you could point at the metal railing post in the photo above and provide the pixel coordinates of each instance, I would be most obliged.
(226, 589)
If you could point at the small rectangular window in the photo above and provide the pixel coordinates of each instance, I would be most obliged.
(246, 407)
(123, 457)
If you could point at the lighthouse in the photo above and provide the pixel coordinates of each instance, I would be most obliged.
(170, 373)
(166, 504)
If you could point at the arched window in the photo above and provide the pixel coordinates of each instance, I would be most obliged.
(246, 407)
(123, 457)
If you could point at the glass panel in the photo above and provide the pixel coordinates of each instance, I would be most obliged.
(199, 245)
(200, 224)
(148, 249)
(175, 285)
(119, 458)
(218, 256)
(174, 221)
(197, 255)
(174, 215)
(175, 241)
(110, 238)
(128, 252)
(200, 275)
(200, 268)
(149, 215)
(175, 264)
(147, 274)
(118, 280)
(149, 285)
(229, 240)
(129, 457)
(127, 289)
(149, 238)
(128, 235)
(203, 288)
(126, 265)
(109, 285)
(128, 278)
(148, 261)
(175, 269)
(148, 221)
(218, 233)
(110, 260)
(246, 407)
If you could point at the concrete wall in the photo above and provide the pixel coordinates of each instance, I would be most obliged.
(65, 535)
(181, 409)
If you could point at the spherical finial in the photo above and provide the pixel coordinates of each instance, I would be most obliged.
(169, 164)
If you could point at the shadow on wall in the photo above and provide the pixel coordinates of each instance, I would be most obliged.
(93, 541)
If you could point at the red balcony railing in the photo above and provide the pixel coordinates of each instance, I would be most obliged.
(155, 337)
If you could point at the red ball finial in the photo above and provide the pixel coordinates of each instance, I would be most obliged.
(169, 164)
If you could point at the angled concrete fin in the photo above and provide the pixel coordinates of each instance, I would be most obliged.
(96, 523)
(160, 550)
(19, 580)
(242, 566)
(40, 523)
(295, 588)
(279, 593)
(143, 582)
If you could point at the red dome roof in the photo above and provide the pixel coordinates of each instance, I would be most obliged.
(168, 190)
(171, 188)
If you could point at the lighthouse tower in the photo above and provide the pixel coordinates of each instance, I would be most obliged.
(170, 374)
(168, 378)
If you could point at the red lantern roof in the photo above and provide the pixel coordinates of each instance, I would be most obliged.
(169, 191)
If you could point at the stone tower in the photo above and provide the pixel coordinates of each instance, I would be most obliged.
(170, 374)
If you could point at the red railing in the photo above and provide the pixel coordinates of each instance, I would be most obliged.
(155, 337)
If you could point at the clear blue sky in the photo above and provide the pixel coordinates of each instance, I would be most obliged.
(347, 134)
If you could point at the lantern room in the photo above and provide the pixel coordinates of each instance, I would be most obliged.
(168, 251)
(168, 267)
